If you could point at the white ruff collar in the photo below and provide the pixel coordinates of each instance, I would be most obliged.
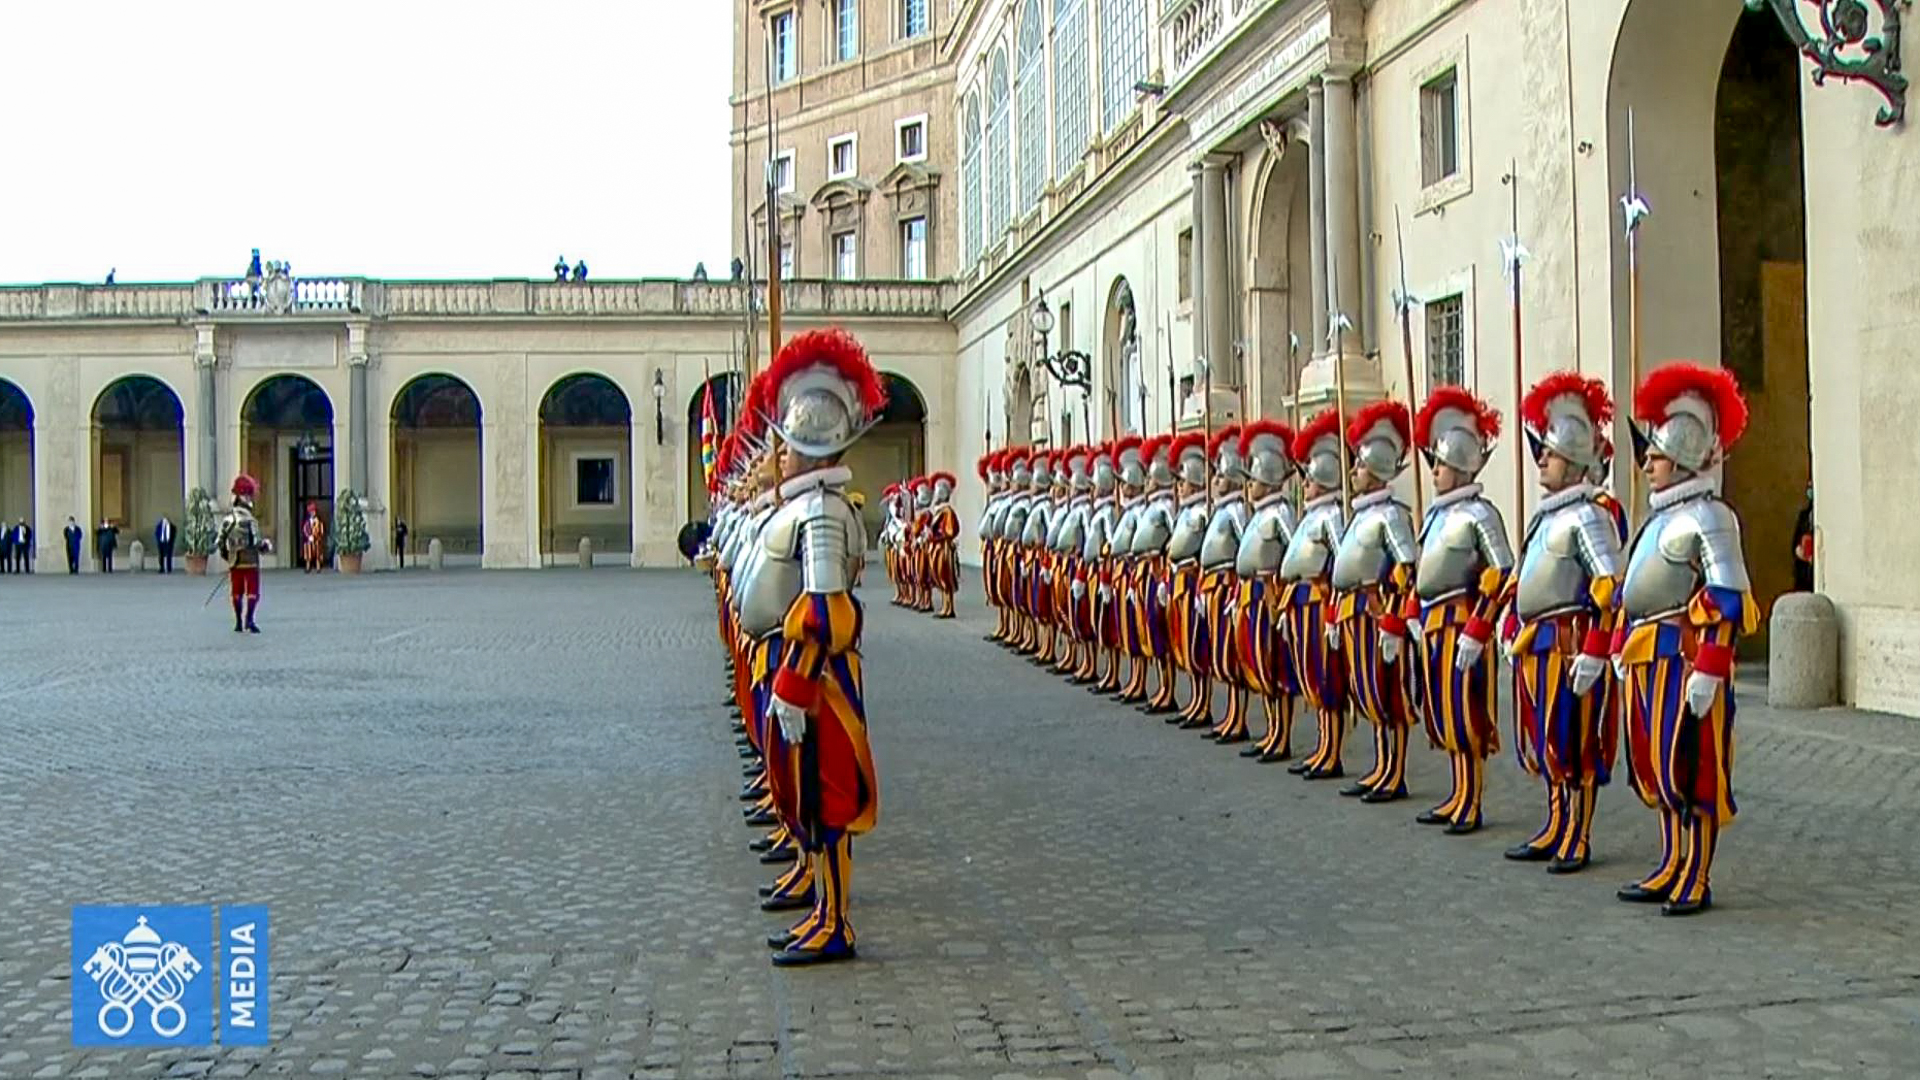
(1691, 488)
(831, 476)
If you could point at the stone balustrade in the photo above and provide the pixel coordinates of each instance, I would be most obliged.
(664, 298)
(1193, 29)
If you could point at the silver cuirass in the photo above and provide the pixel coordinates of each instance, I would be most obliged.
(1380, 536)
(1072, 534)
(1263, 543)
(1013, 519)
(1155, 526)
(1121, 541)
(1460, 540)
(1570, 542)
(1222, 542)
(1189, 528)
(1040, 515)
(1101, 520)
(1684, 547)
(990, 517)
(1310, 550)
(809, 545)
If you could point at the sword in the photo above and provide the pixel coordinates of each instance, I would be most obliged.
(217, 586)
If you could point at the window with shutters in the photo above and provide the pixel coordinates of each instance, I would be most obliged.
(1440, 128)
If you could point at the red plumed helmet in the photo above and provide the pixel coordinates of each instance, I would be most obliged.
(1326, 423)
(836, 348)
(1392, 412)
(1275, 428)
(984, 464)
(245, 487)
(1123, 444)
(1653, 402)
(1230, 433)
(1185, 441)
(1486, 417)
(1154, 446)
(943, 477)
(1599, 405)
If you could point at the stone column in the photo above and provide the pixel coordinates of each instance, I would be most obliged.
(1317, 211)
(1343, 206)
(1197, 312)
(1219, 319)
(206, 472)
(357, 360)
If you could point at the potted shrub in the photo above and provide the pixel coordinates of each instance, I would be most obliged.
(350, 539)
(201, 529)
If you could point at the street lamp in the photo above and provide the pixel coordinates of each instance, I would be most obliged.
(1070, 367)
(659, 408)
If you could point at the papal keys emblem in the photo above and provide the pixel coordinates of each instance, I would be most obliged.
(142, 969)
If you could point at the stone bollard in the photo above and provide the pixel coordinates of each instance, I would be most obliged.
(586, 553)
(1803, 652)
(436, 556)
(137, 557)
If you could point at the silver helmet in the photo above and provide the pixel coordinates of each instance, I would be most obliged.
(1130, 463)
(1188, 456)
(922, 492)
(826, 394)
(1265, 448)
(1020, 470)
(1228, 465)
(1691, 415)
(1457, 429)
(1321, 461)
(942, 487)
(1378, 437)
(1080, 469)
(1159, 465)
(1565, 413)
(1104, 476)
(1042, 478)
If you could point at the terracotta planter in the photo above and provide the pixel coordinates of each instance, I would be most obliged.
(349, 563)
(197, 565)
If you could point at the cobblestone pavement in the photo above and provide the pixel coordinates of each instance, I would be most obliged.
(495, 817)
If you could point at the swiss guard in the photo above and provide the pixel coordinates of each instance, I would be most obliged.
(994, 471)
(820, 769)
(1071, 612)
(1266, 456)
(1219, 586)
(1372, 578)
(1008, 526)
(241, 544)
(1151, 588)
(1185, 605)
(1560, 626)
(942, 541)
(1119, 626)
(1465, 562)
(313, 540)
(892, 538)
(920, 542)
(1306, 593)
(1686, 598)
(1094, 591)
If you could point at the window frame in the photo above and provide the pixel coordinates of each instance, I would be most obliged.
(836, 54)
(1460, 282)
(576, 458)
(903, 11)
(792, 180)
(850, 272)
(900, 127)
(849, 139)
(926, 235)
(1441, 189)
(786, 65)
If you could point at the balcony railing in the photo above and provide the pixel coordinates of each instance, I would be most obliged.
(1194, 28)
(364, 298)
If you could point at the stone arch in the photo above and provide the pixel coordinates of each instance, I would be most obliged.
(1122, 367)
(893, 449)
(138, 456)
(1280, 279)
(435, 457)
(286, 442)
(1722, 262)
(586, 465)
(16, 458)
(727, 391)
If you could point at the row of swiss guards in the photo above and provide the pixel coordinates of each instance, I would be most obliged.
(1240, 561)
(920, 542)
(785, 545)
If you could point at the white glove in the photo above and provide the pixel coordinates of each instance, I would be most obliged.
(1164, 594)
(1389, 648)
(1467, 653)
(1620, 669)
(1199, 607)
(1079, 590)
(1106, 594)
(266, 545)
(1586, 671)
(1046, 577)
(792, 719)
(1417, 631)
(1232, 606)
(1333, 636)
(1702, 691)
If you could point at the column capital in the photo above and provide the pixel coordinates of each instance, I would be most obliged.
(1315, 89)
(357, 355)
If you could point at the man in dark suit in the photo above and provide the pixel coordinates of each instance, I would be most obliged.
(107, 538)
(22, 547)
(6, 548)
(163, 540)
(74, 534)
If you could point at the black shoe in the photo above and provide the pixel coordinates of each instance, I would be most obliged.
(1232, 740)
(777, 856)
(1273, 757)
(747, 752)
(1333, 772)
(1567, 866)
(1299, 768)
(1433, 817)
(780, 940)
(761, 819)
(752, 793)
(760, 845)
(1694, 907)
(1253, 751)
(1464, 828)
(252, 627)
(238, 627)
(787, 903)
(809, 957)
(1636, 893)
(1202, 724)
(1528, 853)
(1355, 790)
(1381, 795)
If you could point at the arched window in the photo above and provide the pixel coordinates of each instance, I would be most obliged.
(999, 163)
(1070, 119)
(1033, 108)
(1123, 57)
(970, 177)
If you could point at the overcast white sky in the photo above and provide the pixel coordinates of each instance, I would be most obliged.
(401, 138)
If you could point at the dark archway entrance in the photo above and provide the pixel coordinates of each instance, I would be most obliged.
(139, 451)
(286, 440)
(894, 449)
(436, 465)
(16, 459)
(586, 466)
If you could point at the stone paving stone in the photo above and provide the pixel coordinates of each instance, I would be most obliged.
(494, 817)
